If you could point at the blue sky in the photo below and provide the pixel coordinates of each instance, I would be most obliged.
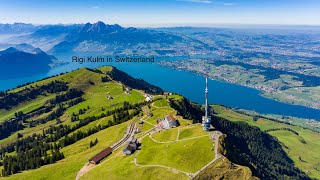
(162, 12)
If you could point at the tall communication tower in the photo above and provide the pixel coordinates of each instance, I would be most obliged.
(206, 120)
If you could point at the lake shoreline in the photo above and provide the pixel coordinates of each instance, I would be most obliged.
(191, 86)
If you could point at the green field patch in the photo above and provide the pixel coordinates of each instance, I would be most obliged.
(189, 155)
(175, 96)
(78, 79)
(161, 103)
(191, 131)
(146, 127)
(96, 99)
(184, 122)
(105, 69)
(166, 135)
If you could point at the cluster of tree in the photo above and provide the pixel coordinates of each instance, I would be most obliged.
(121, 117)
(74, 117)
(30, 159)
(18, 114)
(187, 109)
(9, 126)
(75, 101)
(93, 143)
(12, 125)
(82, 111)
(44, 140)
(127, 80)
(51, 116)
(249, 146)
(39, 111)
(70, 94)
(286, 129)
(12, 99)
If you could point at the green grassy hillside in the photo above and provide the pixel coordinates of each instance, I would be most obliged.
(94, 114)
(300, 144)
(63, 115)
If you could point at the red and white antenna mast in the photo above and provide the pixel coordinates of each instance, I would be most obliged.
(206, 91)
(206, 120)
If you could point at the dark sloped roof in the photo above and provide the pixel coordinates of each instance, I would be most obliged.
(131, 147)
(170, 118)
(97, 158)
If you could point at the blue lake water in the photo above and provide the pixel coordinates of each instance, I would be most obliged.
(189, 85)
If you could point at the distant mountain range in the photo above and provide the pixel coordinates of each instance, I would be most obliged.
(103, 38)
(45, 37)
(23, 60)
(106, 38)
(17, 28)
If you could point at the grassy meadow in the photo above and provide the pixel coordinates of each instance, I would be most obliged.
(301, 148)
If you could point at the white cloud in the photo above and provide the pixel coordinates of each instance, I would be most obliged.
(198, 1)
(95, 7)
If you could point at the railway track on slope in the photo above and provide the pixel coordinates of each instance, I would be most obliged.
(129, 134)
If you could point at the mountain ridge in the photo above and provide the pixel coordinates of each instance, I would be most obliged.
(114, 38)
(24, 60)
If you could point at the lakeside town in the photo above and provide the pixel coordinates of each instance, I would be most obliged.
(284, 87)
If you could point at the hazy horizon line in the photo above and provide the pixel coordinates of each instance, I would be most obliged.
(168, 25)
